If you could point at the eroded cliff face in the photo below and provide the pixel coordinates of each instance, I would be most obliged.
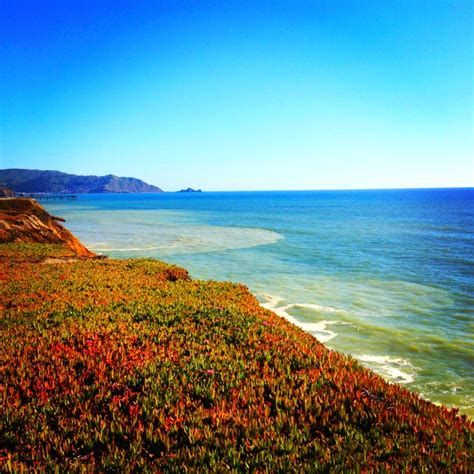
(25, 220)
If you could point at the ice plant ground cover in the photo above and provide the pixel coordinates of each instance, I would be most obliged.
(129, 365)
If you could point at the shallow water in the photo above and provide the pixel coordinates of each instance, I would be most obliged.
(386, 276)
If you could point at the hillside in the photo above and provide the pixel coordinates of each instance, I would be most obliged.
(37, 181)
(132, 366)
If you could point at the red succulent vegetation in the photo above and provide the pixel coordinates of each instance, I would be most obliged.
(129, 365)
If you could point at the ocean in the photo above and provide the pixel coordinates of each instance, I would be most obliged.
(385, 276)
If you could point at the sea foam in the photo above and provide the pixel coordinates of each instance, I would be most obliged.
(164, 240)
(393, 369)
(318, 329)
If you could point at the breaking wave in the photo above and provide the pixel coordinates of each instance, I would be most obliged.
(393, 369)
(318, 329)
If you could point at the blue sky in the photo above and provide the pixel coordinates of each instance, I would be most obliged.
(241, 95)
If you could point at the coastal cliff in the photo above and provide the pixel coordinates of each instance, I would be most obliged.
(132, 366)
(24, 220)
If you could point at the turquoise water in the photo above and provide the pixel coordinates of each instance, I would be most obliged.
(386, 276)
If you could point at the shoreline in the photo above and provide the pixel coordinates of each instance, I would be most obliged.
(379, 364)
(407, 358)
(135, 363)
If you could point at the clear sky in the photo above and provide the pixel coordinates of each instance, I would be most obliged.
(241, 95)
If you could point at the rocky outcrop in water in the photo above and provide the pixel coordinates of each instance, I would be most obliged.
(190, 190)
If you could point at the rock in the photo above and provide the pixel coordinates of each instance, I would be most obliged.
(190, 190)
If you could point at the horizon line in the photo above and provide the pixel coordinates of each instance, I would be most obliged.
(284, 190)
(331, 189)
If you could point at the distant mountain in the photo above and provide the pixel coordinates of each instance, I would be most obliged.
(37, 181)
